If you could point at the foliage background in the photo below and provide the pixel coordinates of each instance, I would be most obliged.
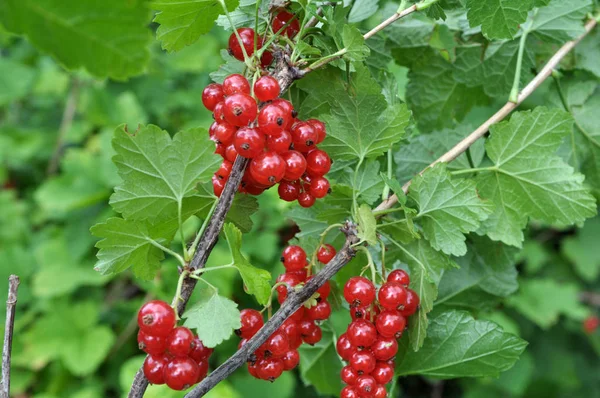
(75, 331)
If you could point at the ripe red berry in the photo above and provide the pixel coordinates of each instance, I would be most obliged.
(319, 127)
(304, 137)
(181, 373)
(251, 321)
(590, 324)
(279, 143)
(154, 368)
(323, 290)
(291, 280)
(269, 368)
(272, 119)
(366, 386)
(252, 369)
(390, 323)
(367, 312)
(359, 291)
(380, 392)
(392, 296)
(218, 185)
(344, 347)
(311, 333)
(298, 315)
(292, 331)
(318, 163)
(153, 345)
(235, 49)
(224, 170)
(383, 373)
(319, 187)
(349, 392)
(293, 258)
(240, 109)
(236, 84)
(267, 168)
(156, 318)
(249, 142)
(266, 59)
(199, 351)
(325, 253)
(231, 153)
(412, 303)
(349, 375)
(385, 348)
(290, 359)
(218, 112)
(212, 95)
(362, 361)
(281, 19)
(223, 133)
(319, 312)
(288, 108)
(362, 333)
(399, 276)
(180, 341)
(295, 165)
(277, 345)
(202, 369)
(305, 199)
(288, 191)
(266, 88)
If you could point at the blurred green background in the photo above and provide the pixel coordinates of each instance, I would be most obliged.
(75, 332)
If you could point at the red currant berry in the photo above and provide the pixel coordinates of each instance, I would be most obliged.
(326, 253)
(319, 187)
(212, 95)
(288, 191)
(380, 392)
(349, 375)
(344, 347)
(231, 153)
(290, 359)
(180, 341)
(236, 84)
(249, 142)
(253, 370)
(269, 368)
(224, 170)
(359, 291)
(218, 185)
(224, 133)
(366, 386)
(219, 112)
(362, 361)
(399, 276)
(349, 392)
(590, 324)
(220, 150)
(202, 369)
(277, 345)
(390, 323)
(266, 59)
(385, 348)
(235, 49)
(319, 127)
(412, 303)
(288, 108)
(298, 315)
(266, 88)
(154, 368)
(304, 137)
(383, 373)
(305, 199)
(199, 351)
(153, 345)
(156, 318)
(240, 109)
(323, 290)
(392, 296)
(281, 19)
(251, 321)
(292, 331)
(311, 333)
(267, 168)
(300, 273)
(368, 312)
(319, 312)
(279, 143)
(295, 165)
(272, 119)
(293, 258)
(181, 373)
(291, 280)
(318, 163)
(362, 333)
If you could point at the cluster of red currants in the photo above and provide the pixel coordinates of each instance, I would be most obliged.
(176, 357)
(280, 352)
(369, 344)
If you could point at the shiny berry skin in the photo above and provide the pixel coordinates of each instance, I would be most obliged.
(399, 276)
(590, 324)
(383, 373)
(199, 351)
(318, 163)
(266, 88)
(319, 187)
(349, 375)
(212, 95)
(298, 315)
(295, 165)
(266, 59)
(224, 170)
(323, 290)
(292, 331)
(392, 296)
(319, 127)
(390, 323)
(269, 368)
(249, 142)
(385, 348)
(325, 253)
(218, 112)
(293, 258)
(180, 341)
(267, 168)
(412, 303)
(380, 392)
(154, 368)
(349, 392)
(306, 200)
(272, 119)
(240, 109)
(319, 312)
(202, 369)
(181, 373)
(231, 153)
(344, 347)
(288, 108)
(247, 36)
(156, 318)
(290, 359)
(223, 133)
(251, 321)
(304, 136)
(236, 84)
(278, 344)
(359, 291)
(279, 143)
(366, 312)
(291, 280)
(288, 191)
(253, 370)
(362, 361)
(218, 185)
(281, 19)
(362, 333)
(366, 386)
(153, 345)
(311, 333)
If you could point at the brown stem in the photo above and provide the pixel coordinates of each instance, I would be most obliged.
(65, 125)
(11, 306)
(590, 298)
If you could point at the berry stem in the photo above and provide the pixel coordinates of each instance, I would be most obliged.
(177, 298)
(192, 249)
(167, 250)
(9, 326)
(237, 35)
(313, 259)
(204, 270)
(213, 287)
(383, 270)
(370, 262)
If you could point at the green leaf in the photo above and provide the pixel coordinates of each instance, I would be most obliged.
(581, 250)
(126, 243)
(214, 319)
(457, 345)
(558, 299)
(245, 15)
(560, 21)
(368, 185)
(182, 22)
(448, 208)
(361, 10)
(499, 19)
(85, 34)
(242, 209)
(367, 225)
(256, 280)
(354, 43)
(15, 80)
(528, 180)
(160, 174)
(500, 64)
(587, 54)
(319, 364)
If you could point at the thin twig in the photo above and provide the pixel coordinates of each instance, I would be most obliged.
(11, 305)
(65, 125)
(590, 298)
(463, 145)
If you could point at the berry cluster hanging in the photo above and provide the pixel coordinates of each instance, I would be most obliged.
(176, 357)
